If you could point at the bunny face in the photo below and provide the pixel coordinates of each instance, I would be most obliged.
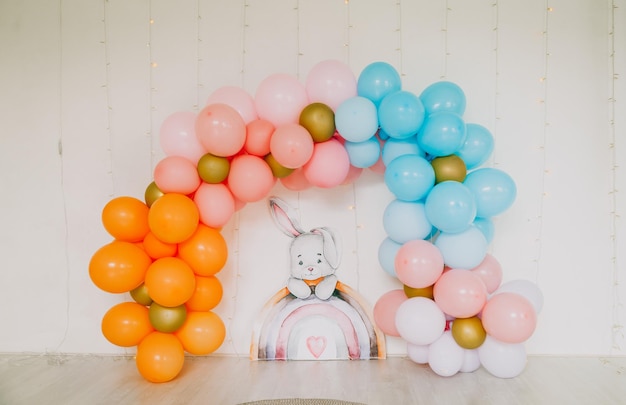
(308, 261)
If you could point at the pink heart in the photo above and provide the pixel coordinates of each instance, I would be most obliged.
(316, 345)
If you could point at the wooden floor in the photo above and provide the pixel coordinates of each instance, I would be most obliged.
(86, 380)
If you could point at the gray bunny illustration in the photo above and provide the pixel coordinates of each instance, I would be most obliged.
(315, 255)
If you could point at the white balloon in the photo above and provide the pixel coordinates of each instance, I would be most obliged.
(503, 360)
(445, 356)
(417, 353)
(526, 289)
(420, 321)
(471, 361)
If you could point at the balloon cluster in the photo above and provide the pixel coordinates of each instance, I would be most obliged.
(321, 133)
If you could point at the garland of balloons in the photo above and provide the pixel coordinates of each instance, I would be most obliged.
(166, 251)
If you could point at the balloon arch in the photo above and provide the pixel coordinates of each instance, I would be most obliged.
(453, 310)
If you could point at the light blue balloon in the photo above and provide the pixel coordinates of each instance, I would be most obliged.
(494, 191)
(409, 177)
(463, 250)
(356, 119)
(387, 252)
(477, 147)
(450, 207)
(401, 114)
(485, 225)
(363, 154)
(377, 80)
(393, 148)
(404, 221)
(442, 134)
(443, 96)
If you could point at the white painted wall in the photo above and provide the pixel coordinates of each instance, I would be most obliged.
(86, 84)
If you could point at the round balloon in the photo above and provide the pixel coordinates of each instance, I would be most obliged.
(213, 169)
(509, 317)
(401, 114)
(250, 179)
(443, 96)
(377, 80)
(319, 120)
(449, 167)
(418, 264)
(177, 136)
(237, 98)
(126, 324)
(460, 293)
(445, 356)
(160, 357)
(329, 165)
(170, 281)
(490, 272)
(202, 333)
(420, 321)
(356, 119)
(503, 360)
(118, 267)
(363, 154)
(167, 319)
(173, 218)
(126, 219)
(205, 251)
(493, 189)
(216, 204)
(393, 148)
(526, 289)
(330, 82)
(443, 133)
(220, 129)
(387, 251)
(291, 145)
(409, 177)
(258, 135)
(175, 174)
(463, 250)
(207, 295)
(280, 98)
(450, 207)
(404, 221)
(385, 311)
(468, 332)
(477, 147)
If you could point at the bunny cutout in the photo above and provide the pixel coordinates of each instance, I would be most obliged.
(315, 255)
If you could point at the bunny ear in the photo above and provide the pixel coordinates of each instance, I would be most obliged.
(332, 246)
(283, 216)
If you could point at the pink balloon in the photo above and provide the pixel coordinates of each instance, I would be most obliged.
(353, 174)
(175, 174)
(460, 293)
(291, 145)
(331, 82)
(237, 98)
(258, 135)
(418, 264)
(178, 136)
(296, 181)
(509, 317)
(280, 98)
(250, 178)
(215, 204)
(221, 130)
(490, 272)
(385, 311)
(329, 165)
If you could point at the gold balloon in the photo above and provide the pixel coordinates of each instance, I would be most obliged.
(468, 332)
(167, 319)
(141, 296)
(449, 167)
(279, 171)
(419, 292)
(319, 120)
(213, 169)
(152, 194)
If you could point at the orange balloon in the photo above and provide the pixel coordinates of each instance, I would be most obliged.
(126, 324)
(126, 219)
(156, 249)
(118, 267)
(173, 218)
(160, 357)
(207, 295)
(205, 251)
(202, 333)
(170, 281)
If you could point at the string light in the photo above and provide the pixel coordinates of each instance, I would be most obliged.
(151, 108)
(399, 31)
(496, 40)
(444, 29)
(346, 43)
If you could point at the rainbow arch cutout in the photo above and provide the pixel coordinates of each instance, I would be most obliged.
(341, 327)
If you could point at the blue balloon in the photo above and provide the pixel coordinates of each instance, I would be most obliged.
(401, 114)
(363, 154)
(450, 207)
(485, 225)
(442, 134)
(463, 250)
(377, 80)
(393, 148)
(478, 146)
(404, 221)
(356, 119)
(443, 96)
(387, 252)
(409, 177)
(494, 191)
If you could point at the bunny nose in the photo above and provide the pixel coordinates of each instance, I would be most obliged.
(310, 269)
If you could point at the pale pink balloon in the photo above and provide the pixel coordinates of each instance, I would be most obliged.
(250, 178)
(353, 175)
(490, 272)
(221, 130)
(296, 181)
(385, 311)
(509, 317)
(280, 98)
(237, 98)
(329, 165)
(378, 167)
(177, 136)
(258, 135)
(176, 174)
(418, 264)
(215, 204)
(460, 293)
(331, 82)
(291, 145)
